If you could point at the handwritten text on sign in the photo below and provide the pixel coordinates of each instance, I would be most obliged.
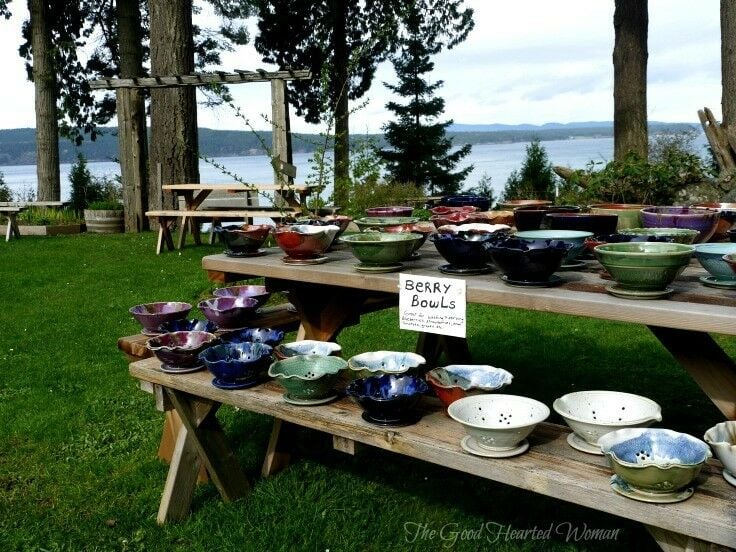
(432, 305)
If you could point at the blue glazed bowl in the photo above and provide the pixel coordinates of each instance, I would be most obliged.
(528, 260)
(388, 399)
(654, 460)
(237, 362)
(229, 313)
(192, 325)
(575, 238)
(482, 203)
(255, 335)
(710, 255)
(464, 249)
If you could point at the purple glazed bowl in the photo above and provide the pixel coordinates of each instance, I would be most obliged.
(703, 221)
(390, 211)
(304, 241)
(180, 350)
(259, 293)
(229, 313)
(152, 315)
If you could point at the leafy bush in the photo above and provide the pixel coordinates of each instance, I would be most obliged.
(46, 216)
(535, 179)
(665, 178)
(5, 193)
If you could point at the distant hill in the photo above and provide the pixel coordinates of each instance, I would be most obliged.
(18, 146)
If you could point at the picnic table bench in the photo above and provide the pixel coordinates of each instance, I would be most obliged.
(10, 210)
(292, 197)
(324, 296)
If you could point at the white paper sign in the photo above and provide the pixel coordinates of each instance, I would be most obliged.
(432, 305)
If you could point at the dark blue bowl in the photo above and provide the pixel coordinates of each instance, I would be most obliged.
(388, 399)
(255, 335)
(464, 250)
(237, 362)
(528, 260)
(188, 326)
(482, 203)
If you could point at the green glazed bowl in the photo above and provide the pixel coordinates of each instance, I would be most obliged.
(644, 265)
(629, 214)
(678, 235)
(308, 377)
(382, 248)
(377, 223)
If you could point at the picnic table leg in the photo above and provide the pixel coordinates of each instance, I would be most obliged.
(431, 347)
(200, 438)
(183, 221)
(215, 224)
(13, 229)
(711, 368)
(164, 234)
(194, 228)
(278, 452)
(676, 542)
(325, 311)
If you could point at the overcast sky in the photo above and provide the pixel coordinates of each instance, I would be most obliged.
(526, 61)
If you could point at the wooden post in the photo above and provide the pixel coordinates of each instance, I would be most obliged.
(133, 157)
(281, 131)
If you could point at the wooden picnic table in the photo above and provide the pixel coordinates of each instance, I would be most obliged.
(324, 296)
(11, 209)
(293, 196)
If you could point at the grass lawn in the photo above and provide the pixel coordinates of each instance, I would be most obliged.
(78, 440)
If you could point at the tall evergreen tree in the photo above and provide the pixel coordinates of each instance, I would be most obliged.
(535, 179)
(420, 151)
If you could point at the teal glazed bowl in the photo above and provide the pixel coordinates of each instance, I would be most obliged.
(308, 377)
(377, 249)
(678, 235)
(710, 255)
(575, 238)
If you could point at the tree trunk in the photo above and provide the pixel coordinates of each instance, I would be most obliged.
(342, 112)
(131, 108)
(174, 144)
(630, 21)
(728, 69)
(47, 125)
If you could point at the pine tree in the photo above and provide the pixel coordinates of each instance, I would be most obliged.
(420, 150)
(535, 179)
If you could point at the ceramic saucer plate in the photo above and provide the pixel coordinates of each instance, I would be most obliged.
(553, 281)
(221, 384)
(623, 488)
(449, 269)
(309, 402)
(712, 281)
(728, 476)
(638, 294)
(574, 265)
(360, 267)
(256, 253)
(168, 369)
(470, 445)
(410, 419)
(314, 261)
(582, 445)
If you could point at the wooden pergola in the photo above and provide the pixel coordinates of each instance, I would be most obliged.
(131, 126)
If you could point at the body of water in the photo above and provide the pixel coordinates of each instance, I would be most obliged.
(494, 160)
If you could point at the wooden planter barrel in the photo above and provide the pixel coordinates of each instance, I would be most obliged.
(104, 222)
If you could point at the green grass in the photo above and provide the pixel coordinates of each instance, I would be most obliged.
(78, 439)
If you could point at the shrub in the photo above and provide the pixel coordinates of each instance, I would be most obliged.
(44, 216)
(5, 193)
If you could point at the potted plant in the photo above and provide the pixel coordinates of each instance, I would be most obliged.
(104, 217)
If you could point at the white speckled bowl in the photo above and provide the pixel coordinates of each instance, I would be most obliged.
(385, 362)
(722, 439)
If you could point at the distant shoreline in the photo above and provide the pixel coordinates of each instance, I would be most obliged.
(18, 147)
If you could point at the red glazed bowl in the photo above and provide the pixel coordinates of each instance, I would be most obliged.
(444, 210)
(303, 241)
(423, 228)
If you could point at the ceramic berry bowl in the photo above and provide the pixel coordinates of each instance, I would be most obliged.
(703, 220)
(385, 362)
(595, 241)
(381, 251)
(530, 217)
(497, 425)
(677, 235)
(652, 464)
(574, 238)
(710, 256)
(237, 365)
(152, 315)
(629, 214)
(179, 351)
(423, 228)
(184, 325)
(592, 414)
(459, 218)
(341, 221)
(584, 222)
(306, 347)
(444, 210)
(379, 223)
(465, 251)
(308, 379)
(390, 211)
(456, 381)
(257, 292)
(389, 400)
(529, 263)
(243, 240)
(726, 220)
(229, 313)
(722, 439)
(305, 243)
(463, 200)
(268, 336)
(512, 204)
